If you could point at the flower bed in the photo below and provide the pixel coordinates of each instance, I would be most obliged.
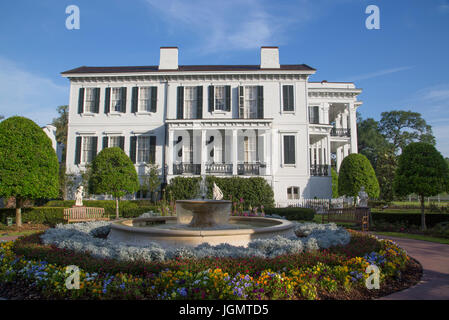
(337, 273)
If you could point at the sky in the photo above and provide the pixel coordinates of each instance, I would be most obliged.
(404, 65)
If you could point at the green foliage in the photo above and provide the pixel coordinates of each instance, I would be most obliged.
(385, 172)
(42, 215)
(293, 213)
(113, 173)
(152, 182)
(255, 191)
(334, 183)
(28, 163)
(421, 170)
(408, 218)
(401, 128)
(356, 171)
(61, 124)
(370, 140)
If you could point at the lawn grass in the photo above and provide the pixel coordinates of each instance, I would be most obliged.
(414, 236)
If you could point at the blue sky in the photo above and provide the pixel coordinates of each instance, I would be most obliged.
(404, 65)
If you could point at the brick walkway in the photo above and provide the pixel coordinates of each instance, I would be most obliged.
(434, 258)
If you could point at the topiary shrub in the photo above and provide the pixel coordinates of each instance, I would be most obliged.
(356, 171)
(183, 188)
(28, 163)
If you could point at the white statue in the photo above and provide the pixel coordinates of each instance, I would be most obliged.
(79, 197)
(217, 194)
(363, 198)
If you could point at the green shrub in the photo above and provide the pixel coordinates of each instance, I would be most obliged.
(293, 213)
(409, 218)
(183, 188)
(356, 171)
(43, 215)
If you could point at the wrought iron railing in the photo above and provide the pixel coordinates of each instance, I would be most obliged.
(219, 168)
(319, 170)
(248, 169)
(192, 168)
(340, 132)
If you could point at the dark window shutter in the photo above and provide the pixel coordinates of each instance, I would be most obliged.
(211, 98)
(105, 142)
(94, 147)
(134, 99)
(132, 149)
(180, 109)
(289, 149)
(153, 107)
(81, 101)
(78, 150)
(122, 143)
(260, 102)
(241, 102)
(228, 98)
(123, 102)
(153, 149)
(107, 100)
(97, 100)
(285, 97)
(199, 100)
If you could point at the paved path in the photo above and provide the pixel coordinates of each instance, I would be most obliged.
(434, 258)
(8, 238)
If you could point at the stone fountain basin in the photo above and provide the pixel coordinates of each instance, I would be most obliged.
(157, 229)
(203, 213)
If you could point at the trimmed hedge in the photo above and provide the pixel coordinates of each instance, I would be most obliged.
(293, 213)
(410, 218)
(254, 191)
(49, 216)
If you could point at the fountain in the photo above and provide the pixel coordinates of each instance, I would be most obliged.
(199, 221)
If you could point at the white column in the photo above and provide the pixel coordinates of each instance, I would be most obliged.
(345, 119)
(234, 152)
(353, 125)
(203, 152)
(326, 113)
(339, 157)
(323, 161)
(171, 139)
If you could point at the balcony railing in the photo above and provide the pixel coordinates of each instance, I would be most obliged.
(340, 132)
(192, 168)
(319, 170)
(249, 169)
(219, 168)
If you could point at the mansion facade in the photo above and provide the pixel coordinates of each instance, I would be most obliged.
(264, 120)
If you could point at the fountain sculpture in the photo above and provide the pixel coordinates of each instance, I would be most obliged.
(199, 221)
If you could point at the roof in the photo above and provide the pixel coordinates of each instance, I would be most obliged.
(192, 68)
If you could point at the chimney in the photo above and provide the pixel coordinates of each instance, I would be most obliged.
(168, 58)
(269, 58)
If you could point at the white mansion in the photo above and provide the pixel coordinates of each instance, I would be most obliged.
(262, 120)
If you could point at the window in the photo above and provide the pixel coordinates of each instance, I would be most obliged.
(143, 149)
(145, 99)
(220, 98)
(287, 95)
(88, 149)
(250, 107)
(89, 105)
(114, 142)
(116, 100)
(249, 149)
(190, 102)
(289, 149)
(314, 115)
(292, 193)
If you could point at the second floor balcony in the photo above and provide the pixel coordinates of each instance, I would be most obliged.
(321, 170)
(340, 132)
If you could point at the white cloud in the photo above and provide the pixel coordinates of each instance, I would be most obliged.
(378, 73)
(235, 24)
(27, 94)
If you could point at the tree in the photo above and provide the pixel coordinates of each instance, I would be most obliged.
(1, 117)
(421, 170)
(112, 172)
(401, 128)
(371, 142)
(28, 163)
(61, 124)
(152, 181)
(356, 171)
(385, 172)
(334, 183)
